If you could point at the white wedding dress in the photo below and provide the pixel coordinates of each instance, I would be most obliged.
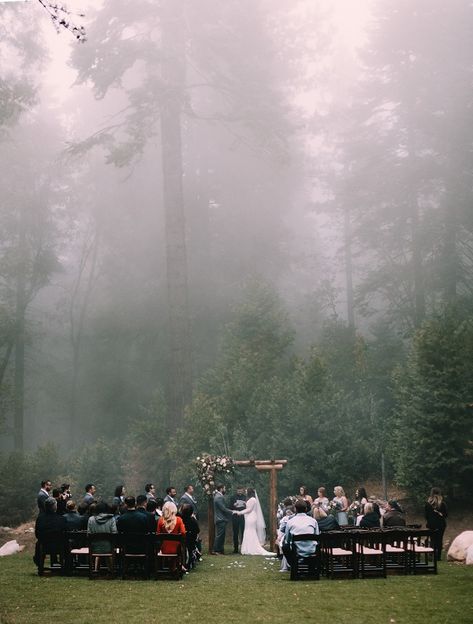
(254, 535)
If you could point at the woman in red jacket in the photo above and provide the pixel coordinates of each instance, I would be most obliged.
(170, 523)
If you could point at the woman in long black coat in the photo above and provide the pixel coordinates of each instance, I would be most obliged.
(436, 518)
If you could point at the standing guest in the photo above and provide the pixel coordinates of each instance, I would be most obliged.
(221, 517)
(341, 504)
(60, 500)
(48, 529)
(370, 519)
(170, 523)
(141, 503)
(188, 499)
(150, 491)
(90, 490)
(74, 521)
(436, 518)
(325, 522)
(238, 503)
(192, 534)
(119, 497)
(66, 491)
(171, 494)
(322, 500)
(304, 494)
(394, 515)
(44, 493)
(159, 506)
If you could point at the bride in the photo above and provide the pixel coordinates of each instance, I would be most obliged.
(254, 535)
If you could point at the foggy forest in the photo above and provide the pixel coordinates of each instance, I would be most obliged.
(242, 228)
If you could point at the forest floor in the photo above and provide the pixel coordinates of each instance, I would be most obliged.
(234, 589)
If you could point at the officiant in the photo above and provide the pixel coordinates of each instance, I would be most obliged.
(238, 503)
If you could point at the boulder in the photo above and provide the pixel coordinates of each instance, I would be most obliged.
(469, 555)
(10, 548)
(459, 546)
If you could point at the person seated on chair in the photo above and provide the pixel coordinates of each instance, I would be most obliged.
(394, 515)
(300, 524)
(288, 511)
(132, 521)
(171, 524)
(102, 522)
(370, 519)
(325, 522)
(49, 530)
(74, 521)
(141, 501)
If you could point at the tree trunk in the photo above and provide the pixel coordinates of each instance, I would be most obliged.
(348, 267)
(19, 363)
(173, 74)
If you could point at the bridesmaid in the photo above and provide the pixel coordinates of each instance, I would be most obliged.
(304, 494)
(342, 505)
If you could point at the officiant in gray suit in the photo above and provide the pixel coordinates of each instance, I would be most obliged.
(221, 516)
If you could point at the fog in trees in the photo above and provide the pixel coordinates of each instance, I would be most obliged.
(240, 227)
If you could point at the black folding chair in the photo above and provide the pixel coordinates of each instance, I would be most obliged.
(306, 566)
(136, 552)
(169, 564)
(338, 554)
(101, 547)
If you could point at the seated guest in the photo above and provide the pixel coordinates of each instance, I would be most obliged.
(370, 519)
(44, 493)
(159, 507)
(325, 522)
(132, 521)
(299, 524)
(119, 497)
(101, 522)
(141, 508)
(394, 515)
(192, 533)
(288, 511)
(170, 523)
(49, 530)
(90, 490)
(74, 521)
(152, 508)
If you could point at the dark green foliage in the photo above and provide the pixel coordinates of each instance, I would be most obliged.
(434, 419)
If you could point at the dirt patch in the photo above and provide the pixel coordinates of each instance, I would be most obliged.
(23, 534)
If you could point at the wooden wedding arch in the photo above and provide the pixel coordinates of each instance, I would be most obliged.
(272, 466)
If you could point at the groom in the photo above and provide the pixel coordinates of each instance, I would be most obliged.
(221, 517)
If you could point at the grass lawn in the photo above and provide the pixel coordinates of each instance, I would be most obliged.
(221, 591)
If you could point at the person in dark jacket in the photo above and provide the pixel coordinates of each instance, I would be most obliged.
(325, 522)
(370, 519)
(238, 503)
(394, 515)
(192, 534)
(436, 518)
(141, 502)
(74, 521)
(221, 517)
(49, 530)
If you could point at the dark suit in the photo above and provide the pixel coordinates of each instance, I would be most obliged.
(133, 521)
(75, 522)
(49, 531)
(221, 517)
(150, 519)
(42, 497)
(328, 524)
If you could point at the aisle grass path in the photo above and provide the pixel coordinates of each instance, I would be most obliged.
(234, 589)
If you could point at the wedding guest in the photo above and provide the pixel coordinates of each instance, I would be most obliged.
(101, 522)
(152, 508)
(49, 526)
(60, 500)
(289, 511)
(159, 506)
(44, 493)
(74, 521)
(150, 490)
(66, 491)
(394, 515)
(90, 490)
(299, 524)
(370, 519)
(436, 518)
(322, 500)
(357, 506)
(304, 494)
(171, 494)
(132, 521)
(170, 523)
(325, 522)
(141, 508)
(238, 503)
(119, 496)
(188, 499)
(341, 503)
(221, 517)
(192, 534)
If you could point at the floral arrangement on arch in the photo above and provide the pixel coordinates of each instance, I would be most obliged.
(209, 467)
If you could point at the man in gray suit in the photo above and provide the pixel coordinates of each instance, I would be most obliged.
(221, 516)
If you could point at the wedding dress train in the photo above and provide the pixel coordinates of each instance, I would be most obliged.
(255, 530)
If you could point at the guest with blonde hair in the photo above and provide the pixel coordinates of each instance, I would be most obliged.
(436, 518)
(325, 522)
